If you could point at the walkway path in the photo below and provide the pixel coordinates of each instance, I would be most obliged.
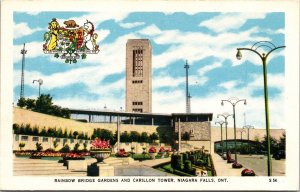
(223, 168)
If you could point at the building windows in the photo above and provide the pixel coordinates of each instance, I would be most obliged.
(138, 62)
(45, 139)
(137, 81)
(137, 103)
(35, 138)
(24, 138)
(139, 110)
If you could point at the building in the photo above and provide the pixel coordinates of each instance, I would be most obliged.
(138, 76)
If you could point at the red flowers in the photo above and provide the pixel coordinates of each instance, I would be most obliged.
(162, 149)
(152, 150)
(248, 172)
(122, 153)
(99, 144)
(236, 165)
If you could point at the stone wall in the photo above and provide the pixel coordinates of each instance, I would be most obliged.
(199, 131)
(23, 116)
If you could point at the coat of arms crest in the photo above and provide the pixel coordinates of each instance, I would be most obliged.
(70, 42)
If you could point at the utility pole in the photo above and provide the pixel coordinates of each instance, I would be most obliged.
(188, 96)
(23, 52)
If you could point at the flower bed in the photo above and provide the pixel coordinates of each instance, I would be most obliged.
(152, 152)
(122, 153)
(236, 165)
(248, 172)
(100, 149)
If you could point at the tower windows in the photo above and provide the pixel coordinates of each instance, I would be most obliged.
(138, 62)
(137, 103)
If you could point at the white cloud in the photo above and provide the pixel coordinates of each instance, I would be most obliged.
(151, 30)
(22, 29)
(131, 25)
(33, 12)
(208, 68)
(34, 49)
(228, 85)
(227, 21)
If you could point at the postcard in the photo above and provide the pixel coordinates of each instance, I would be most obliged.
(176, 95)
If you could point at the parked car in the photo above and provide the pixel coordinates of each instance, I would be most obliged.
(279, 155)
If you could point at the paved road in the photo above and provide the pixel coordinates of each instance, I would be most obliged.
(258, 163)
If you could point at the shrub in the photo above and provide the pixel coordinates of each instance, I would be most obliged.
(192, 159)
(176, 162)
(38, 146)
(65, 149)
(76, 147)
(55, 144)
(21, 145)
(187, 165)
(184, 157)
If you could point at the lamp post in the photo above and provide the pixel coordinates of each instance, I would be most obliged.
(225, 115)
(105, 111)
(242, 131)
(221, 122)
(233, 101)
(263, 57)
(40, 82)
(248, 127)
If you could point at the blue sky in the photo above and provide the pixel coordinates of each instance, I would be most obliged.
(208, 40)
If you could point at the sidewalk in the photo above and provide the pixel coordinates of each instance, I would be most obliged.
(223, 168)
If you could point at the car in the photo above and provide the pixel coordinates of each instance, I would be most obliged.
(279, 155)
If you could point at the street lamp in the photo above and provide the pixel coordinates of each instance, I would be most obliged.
(233, 101)
(242, 131)
(105, 111)
(248, 127)
(221, 122)
(225, 115)
(40, 82)
(263, 57)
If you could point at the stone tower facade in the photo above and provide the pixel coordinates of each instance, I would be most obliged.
(138, 76)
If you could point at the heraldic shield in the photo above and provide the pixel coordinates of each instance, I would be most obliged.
(71, 41)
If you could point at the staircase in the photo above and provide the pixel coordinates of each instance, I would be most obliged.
(38, 167)
(118, 161)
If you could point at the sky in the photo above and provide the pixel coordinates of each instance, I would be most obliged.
(207, 40)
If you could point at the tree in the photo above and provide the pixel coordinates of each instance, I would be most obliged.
(144, 137)
(124, 137)
(30, 103)
(43, 132)
(21, 145)
(153, 137)
(21, 102)
(75, 133)
(282, 141)
(76, 147)
(273, 142)
(134, 136)
(38, 146)
(44, 103)
(55, 144)
(35, 130)
(28, 130)
(186, 136)
(16, 128)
